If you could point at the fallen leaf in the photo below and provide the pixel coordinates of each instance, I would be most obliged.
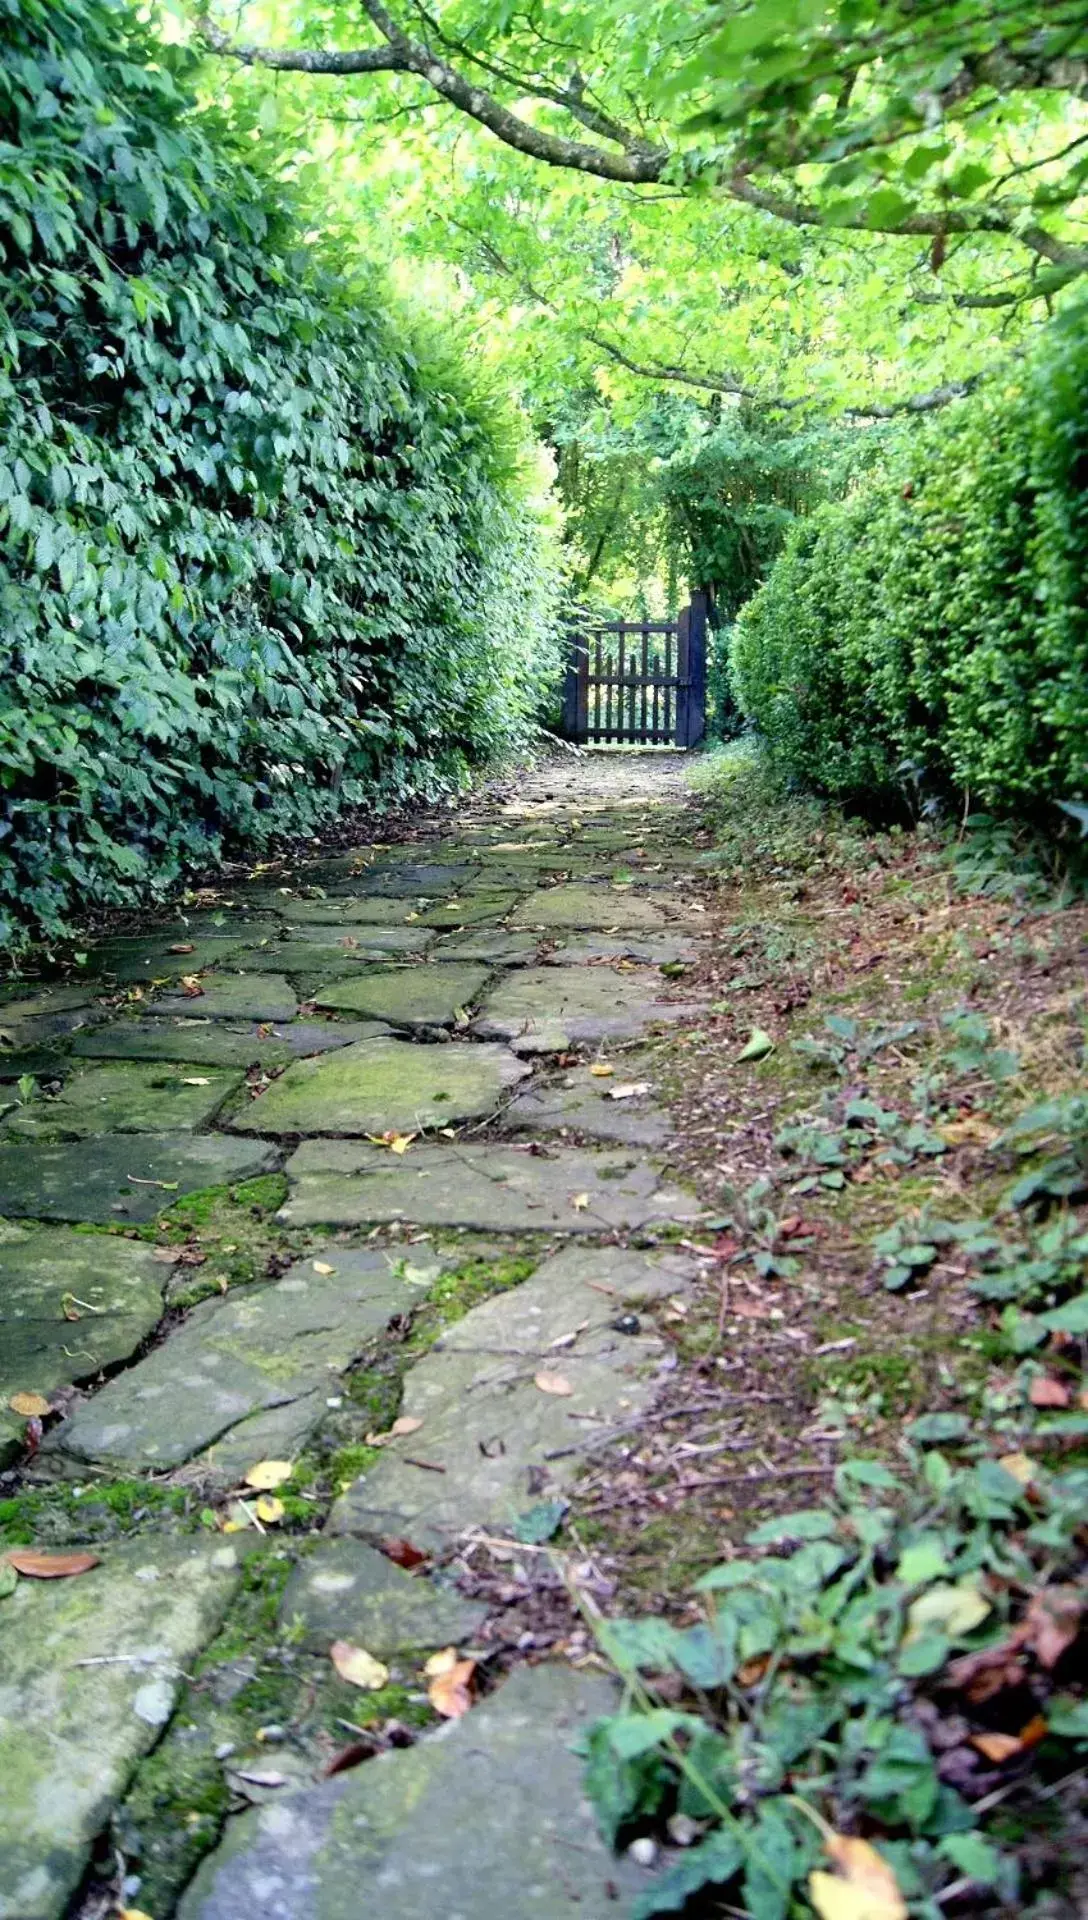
(9, 1579)
(402, 1553)
(1048, 1392)
(269, 1509)
(552, 1383)
(1019, 1466)
(195, 1080)
(133, 1913)
(952, 1610)
(322, 1266)
(261, 1776)
(579, 1201)
(406, 1423)
(450, 1692)
(630, 1091)
(268, 1474)
(49, 1566)
(357, 1667)
(601, 1071)
(401, 1142)
(443, 1662)
(758, 1046)
(1053, 1621)
(30, 1405)
(997, 1747)
(191, 987)
(347, 1757)
(864, 1888)
(182, 946)
(1035, 1730)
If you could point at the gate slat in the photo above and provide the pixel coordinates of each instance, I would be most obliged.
(639, 681)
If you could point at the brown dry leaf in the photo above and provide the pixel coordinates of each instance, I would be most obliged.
(182, 946)
(443, 1662)
(322, 1266)
(1053, 1621)
(752, 1671)
(997, 1747)
(601, 1071)
(450, 1693)
(552, 1383)
(32, 1406)
(358, 1667)
(402, 1553)
(1048, 1392)
(346, 1758)
(864, 1888)
(268, 1474)
(49, 1566)
(406, 1423)
(1035, 1730)
(191, 987)
(972, 1130)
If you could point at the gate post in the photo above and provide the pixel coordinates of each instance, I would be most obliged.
(697, 625)
(576, 689)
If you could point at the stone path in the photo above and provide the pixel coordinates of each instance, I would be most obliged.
(435, 1075)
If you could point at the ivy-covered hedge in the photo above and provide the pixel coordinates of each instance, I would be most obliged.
(263, 554)
(932, 628)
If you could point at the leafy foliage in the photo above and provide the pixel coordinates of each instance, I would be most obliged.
(929, 631)
(265, 551)
(823, 1665)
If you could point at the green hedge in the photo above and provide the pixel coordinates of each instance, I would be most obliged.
(263, 553)
(932, 628)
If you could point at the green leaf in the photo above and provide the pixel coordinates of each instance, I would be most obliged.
(539, 1523)
(757, 1047)
(771, 1866)
(808, 1523)
(973, 1855)
(712, 1862)
(952, 1609)
(934, 1428)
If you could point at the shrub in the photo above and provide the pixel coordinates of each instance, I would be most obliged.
(933, 625)
(264, 551)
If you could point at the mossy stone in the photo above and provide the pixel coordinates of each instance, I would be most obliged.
(592, 908)
(429, 996)
(210, 1043)
(377, 1086)
(125, 1097)
(91, 1670)
(120, 1178)
(264, 1348)
(548, 1009)
(349, 1591)
(70, 1304)
(234, 996)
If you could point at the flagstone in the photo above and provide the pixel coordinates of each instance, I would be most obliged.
(491, 1189)
(470, 910)
(494, 948)
(430, 996)
(213, 1043)
(498, 1437)
(70, 1304)
(303, 954)
(122, 1178)
(233, 996)
(91, 1670)
(592, 908)
(255, 1351)
(487, 1820)
(134, 960)
(645, 950)
(378, 1086)
(349, 1591)
(547, 1010)
(125, 1097)
(581, 1103)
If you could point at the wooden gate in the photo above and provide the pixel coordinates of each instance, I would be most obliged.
(639, 682)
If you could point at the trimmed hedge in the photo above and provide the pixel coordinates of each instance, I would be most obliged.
(932, 628)
(264, 553)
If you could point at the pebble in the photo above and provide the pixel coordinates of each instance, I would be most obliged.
(224, 1750)
(643, 1852)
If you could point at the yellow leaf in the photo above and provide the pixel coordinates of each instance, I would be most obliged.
(1020, 1466)
(864, 1888)
(449, 1692)
(268, 1474)
(401, 1142)
(234, 1526)
(552, 1383)
(195, 1080)
(407, 1423)
(579, 1201)
(441, 1662)
(133, 1913)
(600, 1071)
(31, 1406)
(269, 1509)
(357, 1667)
(322, 1266)
(951, 1610)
